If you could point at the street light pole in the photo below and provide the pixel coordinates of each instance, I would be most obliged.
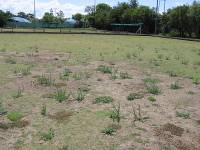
(94, 5)
(34, 16)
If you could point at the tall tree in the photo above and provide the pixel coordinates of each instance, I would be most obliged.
(195, 15)
(48, 18)
(60, 17)
(180, 20)
(78, 17)
(21, 14)
(4, 16)
(133, 3)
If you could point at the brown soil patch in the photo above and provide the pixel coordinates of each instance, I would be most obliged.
(173, 129)
(61, 115)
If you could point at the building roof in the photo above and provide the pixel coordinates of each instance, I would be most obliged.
(70, 20)
(20, 19)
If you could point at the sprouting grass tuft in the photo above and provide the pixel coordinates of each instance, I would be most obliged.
(105, 69)
(125, 75)
(23, 71)
(175, 86)
(153, 89)
(152, 99)
(151, 81)
(18, 93)
(184, 115)
(45, 80)
(196, 80)
(109, 131)
(198, 122)
(103, 99)
(79, 95)
(65, 74)
(115, 113)
(47, 136)
(2, 109)
(61, 95)
(134, 96)
(10, 60)
(44, 110)
(14, 116)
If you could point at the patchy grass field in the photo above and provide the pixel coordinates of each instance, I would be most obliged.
(98, 92)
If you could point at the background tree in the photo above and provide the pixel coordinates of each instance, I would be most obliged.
(195, 16)
(60, 17)
(78, 17)
(179, 20)
(4, 16)
(22, 14)
(133, 3)
(48, 17)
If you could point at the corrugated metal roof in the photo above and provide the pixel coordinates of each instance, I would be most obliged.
(20, 19)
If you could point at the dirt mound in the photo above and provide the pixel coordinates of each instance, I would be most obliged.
(173, 129)
(184, 145)
(172, 134)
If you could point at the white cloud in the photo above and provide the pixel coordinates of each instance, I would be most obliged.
(26, 6)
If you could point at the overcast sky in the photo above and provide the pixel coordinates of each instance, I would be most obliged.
(70, 7)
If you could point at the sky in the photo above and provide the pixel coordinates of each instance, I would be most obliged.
(70, 7)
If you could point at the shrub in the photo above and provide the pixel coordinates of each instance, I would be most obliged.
(61, 95)
(115, 113)
(14, 116)
(184, 115)
(153, 89)
(48, 136)
(80, 95)
(105, 69)
(44, 110)
(45, 80)
(175, 86)
(125, 75)
(133, 96)
(109, 131)
(152, 99)
(104, 99)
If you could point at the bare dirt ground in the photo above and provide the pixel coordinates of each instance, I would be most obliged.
(161, 128)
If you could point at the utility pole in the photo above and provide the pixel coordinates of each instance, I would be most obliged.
(156, 17)
(164, 5)
(34, 16)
